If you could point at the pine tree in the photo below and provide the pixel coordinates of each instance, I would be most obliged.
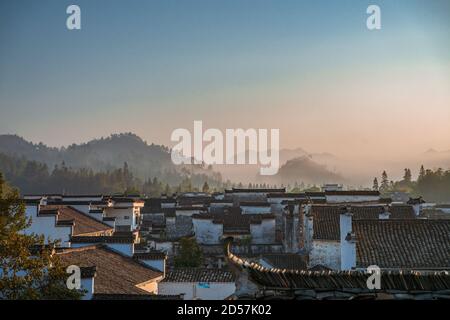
(30, 269)
(407, 177)
(375, 184)
(421, 173)
(384, 182)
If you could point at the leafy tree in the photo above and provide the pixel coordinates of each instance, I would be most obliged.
(189, 254)
(29, 269)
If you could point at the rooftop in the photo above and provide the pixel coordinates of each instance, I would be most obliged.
(198, 275)
(408, 244)
(326, 217)
(329, 280)
(82, 223)
(234, 221)
(240, 190)
(290, 261)
(115, 273)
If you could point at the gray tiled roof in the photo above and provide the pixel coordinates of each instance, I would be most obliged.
(326, 217)
(115, 273)
(198, 275)
(409, 244)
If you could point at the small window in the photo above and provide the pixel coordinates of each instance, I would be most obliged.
(126, 217)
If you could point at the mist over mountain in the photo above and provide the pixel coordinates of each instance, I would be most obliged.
(152, 160)
(105, 154)
(304, 169)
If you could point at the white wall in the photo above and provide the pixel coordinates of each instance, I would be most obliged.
(156, 264)
(150, 287)
(46, 225)
(192, 290)
(264, 232)
(348, 248)
(326, 253)
(256, 210)
(88, 285)
(121, 214)
(166, 246)
(350, 198)
(207, 232)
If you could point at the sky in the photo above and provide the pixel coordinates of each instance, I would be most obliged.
(309, 68)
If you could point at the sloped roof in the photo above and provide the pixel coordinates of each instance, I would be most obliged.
(115, 273)
(288, 261)
(198, 275)
(233, 220)
(301, 279)
(136, 297)
(151, 255)
(103, 239)
(326, 217)
(83, 223)
(409, 244)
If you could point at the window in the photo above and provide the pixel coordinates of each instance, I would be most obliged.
(126, 217)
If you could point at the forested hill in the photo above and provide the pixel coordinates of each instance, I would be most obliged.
(99, 154)
(145, 161)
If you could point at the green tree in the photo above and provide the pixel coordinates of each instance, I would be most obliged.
(384, 187)
(29, 269)
(421, 173)
(407, 177)
(205, 187)
(375, 184)
(189, 254)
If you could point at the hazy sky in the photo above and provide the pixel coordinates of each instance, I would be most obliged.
(310, 68)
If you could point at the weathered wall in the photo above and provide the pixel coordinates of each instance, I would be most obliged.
(207, 232)
(256, 210)
(263, 233)
(350, 198)
(192, 290)
(326, 253)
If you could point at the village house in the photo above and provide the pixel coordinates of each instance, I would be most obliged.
(321, 228)
(198, 284)
(262, 283)
(253, 195)
(214, 228)
(352, 196)
(61, 223)
(107, 272)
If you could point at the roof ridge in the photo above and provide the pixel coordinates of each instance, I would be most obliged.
(131, 259)
(83, 248)
(88, 216)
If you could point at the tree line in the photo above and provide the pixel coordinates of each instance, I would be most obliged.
(35, 177)
(432, 184)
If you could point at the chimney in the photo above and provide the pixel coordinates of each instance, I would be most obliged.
(348, 243)
(42, 202)
(308, 227)
(385, 214)
(288, 228)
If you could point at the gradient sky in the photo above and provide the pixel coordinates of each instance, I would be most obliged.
(309, 68)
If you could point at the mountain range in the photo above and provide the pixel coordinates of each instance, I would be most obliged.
(152, 160)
